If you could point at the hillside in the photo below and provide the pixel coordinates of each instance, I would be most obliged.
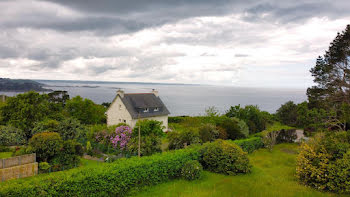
(20, 85)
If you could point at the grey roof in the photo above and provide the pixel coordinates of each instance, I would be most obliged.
(138, 102)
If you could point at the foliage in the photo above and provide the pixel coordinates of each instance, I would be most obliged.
(251, 144)
(85, 110)
(286, 136)
(222, 133)
(270, 139)
(121, 137)
(208, 133)
(46, 145)
(232, 128)
(180, 139)
(255, 119)
(44, 167)
(89, 148)
(70, 128)
(243, 127)
(148, 127)
(11, 136)
(191, 170)
(114, 179)
(224, 157)
(47, 125)
(149, 145)
(272, 175)
(324, 163)
(67, 157)
(331, 74)
(23, 110)
(288, 113)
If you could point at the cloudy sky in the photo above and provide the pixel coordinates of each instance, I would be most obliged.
(270, 43)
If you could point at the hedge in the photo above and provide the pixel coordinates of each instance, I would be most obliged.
(250, 144)
(114, 179)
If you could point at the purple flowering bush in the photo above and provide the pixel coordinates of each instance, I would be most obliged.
(121, 137)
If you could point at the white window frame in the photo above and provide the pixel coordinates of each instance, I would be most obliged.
(156, 109)
(146, 110)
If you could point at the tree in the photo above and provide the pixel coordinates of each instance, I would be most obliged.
(85, 110)
(332, 74)
(288, 113)
(23, 110)
(255, 119)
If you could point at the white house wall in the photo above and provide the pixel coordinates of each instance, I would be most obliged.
(116, 114)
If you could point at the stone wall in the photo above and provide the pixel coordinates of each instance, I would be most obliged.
(18, 167)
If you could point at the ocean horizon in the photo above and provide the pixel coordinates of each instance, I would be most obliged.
(182, 99)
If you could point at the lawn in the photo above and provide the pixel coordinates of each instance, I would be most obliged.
(5, 155)
(272, 175)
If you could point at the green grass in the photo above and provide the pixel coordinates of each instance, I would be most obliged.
(272, 175)
(5, 155)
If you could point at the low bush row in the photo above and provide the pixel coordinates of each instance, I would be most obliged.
(249, 145)
(117, 178)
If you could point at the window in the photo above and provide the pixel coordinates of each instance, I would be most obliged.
(120, 107)
(120, 120)
(146, 110)
(124, 121)
(156, 109)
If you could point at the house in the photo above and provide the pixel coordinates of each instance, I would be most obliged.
(131, 107)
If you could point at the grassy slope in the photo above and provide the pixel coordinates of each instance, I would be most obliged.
(272, 175)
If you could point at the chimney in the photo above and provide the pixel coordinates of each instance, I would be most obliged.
(120, 92)
(155, 92)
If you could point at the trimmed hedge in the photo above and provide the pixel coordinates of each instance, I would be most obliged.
(249, 145)
(114, 179)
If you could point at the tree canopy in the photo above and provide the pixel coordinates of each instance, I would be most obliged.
(332, 74)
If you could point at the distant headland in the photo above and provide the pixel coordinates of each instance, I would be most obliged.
(20, 85)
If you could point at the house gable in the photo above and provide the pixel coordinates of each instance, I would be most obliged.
(118, 113)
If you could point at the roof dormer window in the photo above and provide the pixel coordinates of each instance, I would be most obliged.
(156, 109)
(146, 110)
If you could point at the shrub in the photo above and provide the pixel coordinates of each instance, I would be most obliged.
(44, 167)
(121, 137)
(224, 157)
(222, 133)
(70, 128)
(324, 162)
(67, 156)
(148, 127)
(114, 179)
(208, 133)
(251, 144)
(243, 127)
(255, 119)
(149, 145)
(178, 139)
(47, 125)
(46, 145)
(11, 136)
(88, 148)
(191, 170)
(232, 128)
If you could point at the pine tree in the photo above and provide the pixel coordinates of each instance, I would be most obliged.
(332, 74)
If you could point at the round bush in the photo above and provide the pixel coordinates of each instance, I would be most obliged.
(223, 157)
(46, 145)
(191, 170)
(324, 162)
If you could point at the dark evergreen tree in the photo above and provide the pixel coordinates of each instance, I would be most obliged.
(332, 74)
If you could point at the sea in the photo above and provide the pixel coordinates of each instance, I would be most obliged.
(182, 99)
